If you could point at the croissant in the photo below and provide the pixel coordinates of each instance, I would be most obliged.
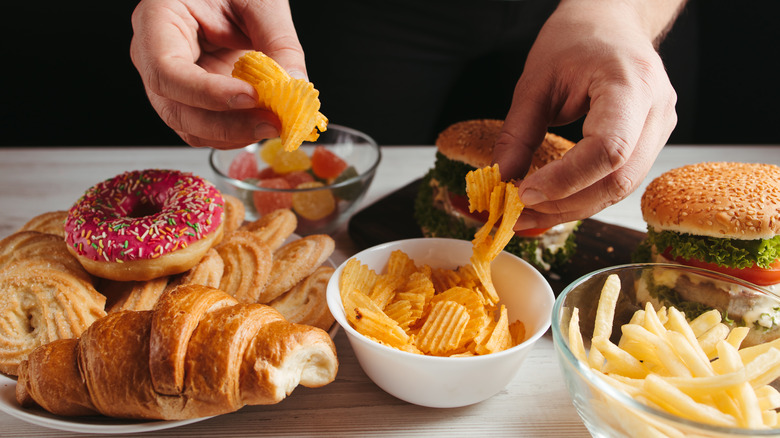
(198, 353)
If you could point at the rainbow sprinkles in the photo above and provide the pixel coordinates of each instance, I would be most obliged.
(143, 214)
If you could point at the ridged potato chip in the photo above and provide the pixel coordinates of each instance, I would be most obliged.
(295, 101)
(442, 312)
(443, 328)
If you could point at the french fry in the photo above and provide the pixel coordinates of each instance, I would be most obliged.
(704, 322)
(605, 315)
(673, 400)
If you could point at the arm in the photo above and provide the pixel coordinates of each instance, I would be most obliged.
(596, 59)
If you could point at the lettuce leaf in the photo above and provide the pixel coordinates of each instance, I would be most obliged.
(451, 174)
(732, 253)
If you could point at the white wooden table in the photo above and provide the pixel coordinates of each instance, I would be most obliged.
(536, 403)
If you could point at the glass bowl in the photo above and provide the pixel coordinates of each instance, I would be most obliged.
(605, 410)
(445, 382)
(322, 205)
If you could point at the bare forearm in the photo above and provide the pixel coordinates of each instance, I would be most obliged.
(654, 18)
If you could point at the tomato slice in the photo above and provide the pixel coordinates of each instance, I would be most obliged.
(753, 274)
(461, 203)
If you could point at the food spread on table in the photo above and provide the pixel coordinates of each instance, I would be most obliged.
(153, 298)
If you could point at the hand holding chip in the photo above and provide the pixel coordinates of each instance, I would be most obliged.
(598, 61)
(185, 51)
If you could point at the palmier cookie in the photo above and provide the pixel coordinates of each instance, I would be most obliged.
(132, 295)
(234, 213)
(42, 302)
(295, 261)
(52, 222)
(247, 265)
(24, 245)
(274, 228)
(305, 303)
(208, 272)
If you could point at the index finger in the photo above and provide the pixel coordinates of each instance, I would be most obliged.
(611, 131)
(164, 50)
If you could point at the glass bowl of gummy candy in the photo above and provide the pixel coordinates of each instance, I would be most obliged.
(322, 181)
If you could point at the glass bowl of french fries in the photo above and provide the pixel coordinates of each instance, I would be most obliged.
(641, 360)
(423, 331)
(322, 181)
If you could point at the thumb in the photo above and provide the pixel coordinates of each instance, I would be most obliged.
(270, 28)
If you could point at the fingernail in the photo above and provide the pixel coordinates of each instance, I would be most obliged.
(297, 74)
(265, 130)
(242, 101)
(532, 197)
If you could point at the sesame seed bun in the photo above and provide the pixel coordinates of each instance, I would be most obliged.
(724, 200)
(472, 142)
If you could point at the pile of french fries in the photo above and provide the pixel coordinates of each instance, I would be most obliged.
(695, 370)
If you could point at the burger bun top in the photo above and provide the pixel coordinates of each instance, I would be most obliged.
(472, 142)
(717, 199)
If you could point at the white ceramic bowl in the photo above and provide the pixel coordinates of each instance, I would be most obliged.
(444, 382)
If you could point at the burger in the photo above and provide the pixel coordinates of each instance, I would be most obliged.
(441, 206)
(723, 217)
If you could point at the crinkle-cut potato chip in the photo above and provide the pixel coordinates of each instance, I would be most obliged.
(443, 328)
(401, 312)
(400, 264)
(356, 276)
(479, 187)
(385, 287)
(486, 191)
(444, 279)
(369, 319)
(295, 101)
(439, 311)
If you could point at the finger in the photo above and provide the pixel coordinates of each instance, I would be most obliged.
(210, 128)
(164, 50)
(617, 185)
(270, 27)
(611, 131)
(523, 131)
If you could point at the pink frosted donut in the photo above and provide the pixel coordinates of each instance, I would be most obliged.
(145, 224)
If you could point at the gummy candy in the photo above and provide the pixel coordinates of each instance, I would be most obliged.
(243, 166)
(325, 164)
(268, 201)
(313, 204)
(286, 162)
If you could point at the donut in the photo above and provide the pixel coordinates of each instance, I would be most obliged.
(145, 224)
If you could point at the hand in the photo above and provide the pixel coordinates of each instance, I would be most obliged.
(602, 64)
(185, 50)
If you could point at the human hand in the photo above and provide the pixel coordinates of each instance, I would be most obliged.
(184, 51)
(599, 62)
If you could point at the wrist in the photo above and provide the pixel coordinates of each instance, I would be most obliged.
(653, 18)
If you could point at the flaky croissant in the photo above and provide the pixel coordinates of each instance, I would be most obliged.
(198, 353)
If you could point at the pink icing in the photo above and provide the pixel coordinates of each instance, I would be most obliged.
(143, 214)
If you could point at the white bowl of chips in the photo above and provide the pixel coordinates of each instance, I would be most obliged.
(322, 181)
(660, 371)
(434, 380)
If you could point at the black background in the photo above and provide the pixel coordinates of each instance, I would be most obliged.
(67, 78)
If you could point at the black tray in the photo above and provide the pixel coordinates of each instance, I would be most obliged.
(599, 244)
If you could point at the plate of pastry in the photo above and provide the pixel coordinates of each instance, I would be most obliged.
(85, 424)
(290, 271)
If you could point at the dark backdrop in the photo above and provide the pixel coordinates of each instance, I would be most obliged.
(67, 78)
